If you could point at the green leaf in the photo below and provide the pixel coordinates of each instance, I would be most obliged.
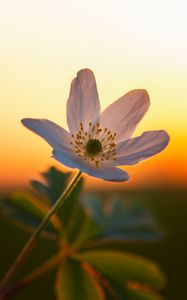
(77, 224)
(71, 215)
(73, 222)
(73, 282)
(71, 206)
(122, 267)
(88, 232)
(114, 292)
(55, 183)
(27, 212)
(127, 221)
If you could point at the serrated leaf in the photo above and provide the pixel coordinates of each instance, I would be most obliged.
(73, 282)
(123, 267)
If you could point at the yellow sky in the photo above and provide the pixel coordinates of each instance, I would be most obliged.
(127, 43)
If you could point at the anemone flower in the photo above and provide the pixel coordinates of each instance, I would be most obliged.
(97, 143)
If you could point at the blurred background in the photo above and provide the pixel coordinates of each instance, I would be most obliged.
(128, 44)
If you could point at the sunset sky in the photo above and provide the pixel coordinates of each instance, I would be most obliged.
(129, 44)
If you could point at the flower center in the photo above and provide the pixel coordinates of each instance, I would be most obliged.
(93, 147)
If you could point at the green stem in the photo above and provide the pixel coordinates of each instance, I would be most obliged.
(28, 279)
(34, 238)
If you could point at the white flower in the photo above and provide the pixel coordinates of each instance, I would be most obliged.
(98, 142)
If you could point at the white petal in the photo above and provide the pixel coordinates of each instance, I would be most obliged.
(108, 173)
(134, 150)
(83, 103)
(69, 159)
(123, 115)
(105, 172)
(56, 136)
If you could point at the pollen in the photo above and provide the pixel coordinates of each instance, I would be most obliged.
(95, 145)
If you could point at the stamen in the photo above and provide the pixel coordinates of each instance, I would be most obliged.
(97, 163)
(95, 145)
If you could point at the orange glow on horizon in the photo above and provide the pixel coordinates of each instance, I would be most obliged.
(133, 44)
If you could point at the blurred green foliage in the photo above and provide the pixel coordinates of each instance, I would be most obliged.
(92, 235)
